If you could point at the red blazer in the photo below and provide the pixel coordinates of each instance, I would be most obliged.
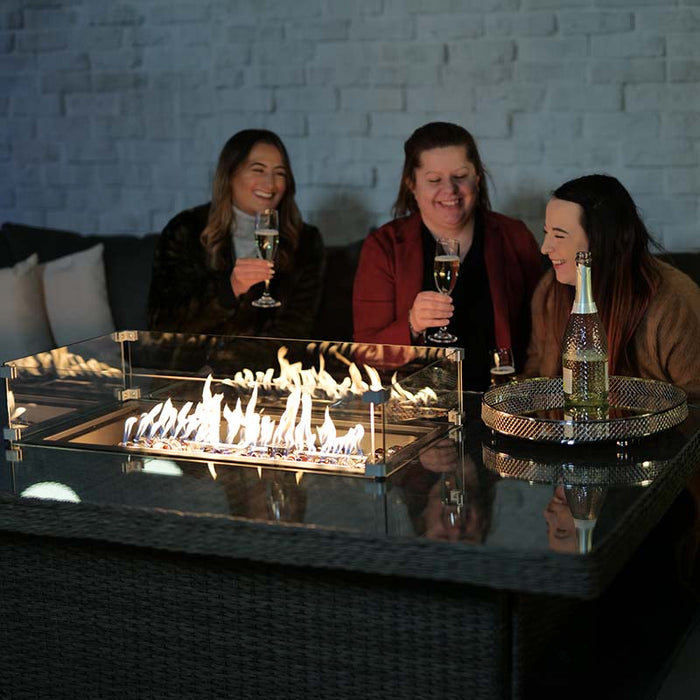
(390, 275)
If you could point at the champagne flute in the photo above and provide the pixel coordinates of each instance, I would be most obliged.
(502, 366)
(267, 239)
(445, 271)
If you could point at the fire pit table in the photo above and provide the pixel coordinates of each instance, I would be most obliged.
(133, 570)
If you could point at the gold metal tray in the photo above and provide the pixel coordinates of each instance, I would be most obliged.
(533, 409)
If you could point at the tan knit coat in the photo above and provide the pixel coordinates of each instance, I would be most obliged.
(666, 343)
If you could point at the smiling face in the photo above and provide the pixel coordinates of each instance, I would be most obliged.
(445, 186)
(260, 181)
(563, 238)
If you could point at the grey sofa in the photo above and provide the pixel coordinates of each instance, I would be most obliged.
(128, 260)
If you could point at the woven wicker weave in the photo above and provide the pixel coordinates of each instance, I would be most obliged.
(86, 620)
(125, 602)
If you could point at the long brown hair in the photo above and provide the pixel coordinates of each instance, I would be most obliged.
(217, 231)
(624, 272)
(437, 135)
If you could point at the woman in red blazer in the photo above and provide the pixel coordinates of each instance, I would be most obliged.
(443, 194)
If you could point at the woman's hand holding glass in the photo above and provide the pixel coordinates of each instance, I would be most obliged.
(430, 310)
(267, 240)
(248, 272)
(445, 271)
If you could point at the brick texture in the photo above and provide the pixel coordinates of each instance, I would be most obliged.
(114, 113)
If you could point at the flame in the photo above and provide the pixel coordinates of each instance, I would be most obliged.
(166, 428)
(234, 420)
(375, 381)
(326, 433)
(250, 433)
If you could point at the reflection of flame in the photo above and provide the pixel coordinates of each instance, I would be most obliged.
(424, 396)
(66, 364)
(248, 433)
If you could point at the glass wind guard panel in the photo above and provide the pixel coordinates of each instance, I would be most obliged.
(360, 410)
(65, 384)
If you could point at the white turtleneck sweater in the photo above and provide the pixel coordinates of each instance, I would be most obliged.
(243, 234)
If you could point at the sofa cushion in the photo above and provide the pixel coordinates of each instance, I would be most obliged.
(75, 291)
(23, 320)
(128, 260)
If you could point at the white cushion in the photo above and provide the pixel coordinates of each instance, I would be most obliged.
(75, 289)
(24, 326)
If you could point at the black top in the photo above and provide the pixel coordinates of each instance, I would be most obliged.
(472, 321)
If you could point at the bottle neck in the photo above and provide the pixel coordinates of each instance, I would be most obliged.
(583, 302)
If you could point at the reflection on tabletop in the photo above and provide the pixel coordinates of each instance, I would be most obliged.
(571, 516)
(450, 492)
(457, 506)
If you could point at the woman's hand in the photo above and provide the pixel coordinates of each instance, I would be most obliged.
(430, 310)
(249, 271)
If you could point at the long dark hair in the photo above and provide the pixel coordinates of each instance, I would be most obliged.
(436, 135)
(231, 158)
(625, 275)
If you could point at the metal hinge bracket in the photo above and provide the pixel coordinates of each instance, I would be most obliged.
(127, 394)
(457, 354)
(134, 465)
(8, 372)
(454, 416)
(121, 336)
(14, 455)
(11, 434)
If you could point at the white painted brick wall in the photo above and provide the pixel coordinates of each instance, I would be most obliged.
(113, 114)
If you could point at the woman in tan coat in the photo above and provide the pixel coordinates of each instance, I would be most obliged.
(650, 310)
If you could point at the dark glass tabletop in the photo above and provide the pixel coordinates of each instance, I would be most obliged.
(471, 488)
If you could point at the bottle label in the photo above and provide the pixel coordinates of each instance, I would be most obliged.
(568, 380)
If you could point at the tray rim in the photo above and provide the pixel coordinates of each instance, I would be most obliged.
(490, 414)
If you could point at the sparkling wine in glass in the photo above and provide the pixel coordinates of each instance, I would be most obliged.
(502, 366)
(445, 271)
(267, 237)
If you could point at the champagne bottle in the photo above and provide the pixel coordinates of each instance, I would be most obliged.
(585, 349)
